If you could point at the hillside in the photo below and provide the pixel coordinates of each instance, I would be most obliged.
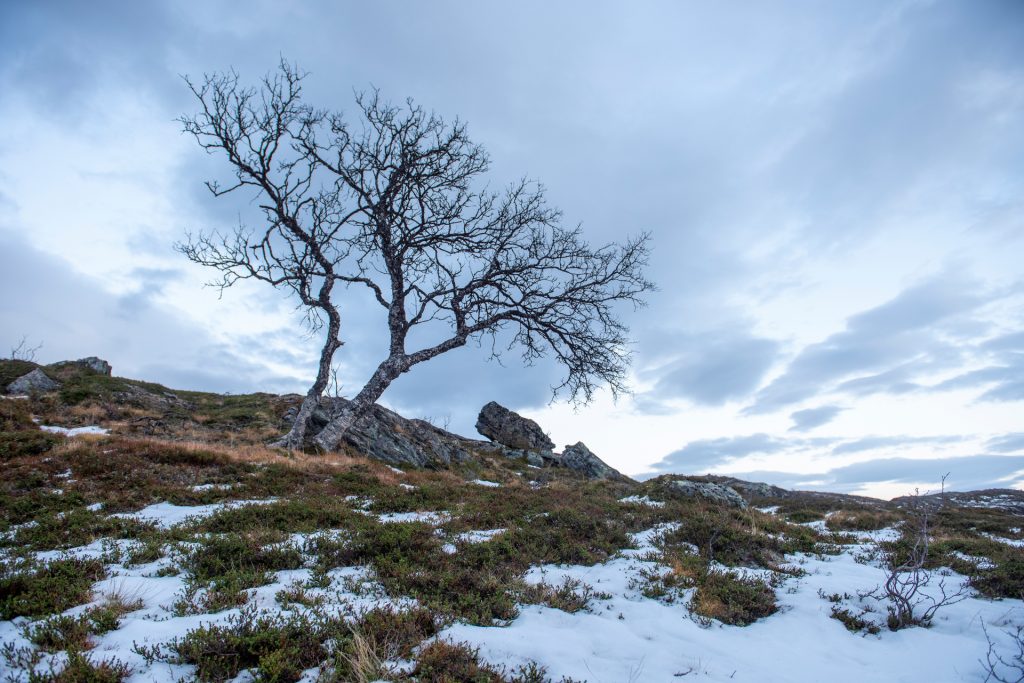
(149, 534)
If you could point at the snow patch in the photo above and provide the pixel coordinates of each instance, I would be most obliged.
(75, 431)
(166, 515)
(642, 500)
(426, 517)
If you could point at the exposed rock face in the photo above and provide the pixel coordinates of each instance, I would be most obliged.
(387, 436)
(718, 493)
(97, 365)
(511, 429)
(35, 382)
(579, 458)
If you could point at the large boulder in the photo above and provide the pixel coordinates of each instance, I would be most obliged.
(500, 424)
(718, 493)
(384, 435)
(35, 382)
(580, 459)
(97, 365)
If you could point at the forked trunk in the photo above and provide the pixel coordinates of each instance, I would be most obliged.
(331, 435)
(295, 439)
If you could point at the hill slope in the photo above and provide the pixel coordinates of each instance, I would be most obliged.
(177, 546)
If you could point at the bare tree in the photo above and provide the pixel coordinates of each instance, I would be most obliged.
(396, 207)
(1005, 667)
(25, 352)
(908, 577)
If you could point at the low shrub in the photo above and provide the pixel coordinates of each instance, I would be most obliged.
(49, 589)
(733, 599)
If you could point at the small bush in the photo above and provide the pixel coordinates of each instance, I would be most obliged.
(50, 589)
(278, 647)
(25, 442)
(733, 599)
(572, 595)
(442, 662)
(861, 520)
(855, 623)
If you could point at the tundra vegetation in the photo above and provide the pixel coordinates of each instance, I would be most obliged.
(344, 568)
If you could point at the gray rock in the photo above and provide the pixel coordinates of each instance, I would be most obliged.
(511, 429)
(580, 459)
(97, 365)
(35, 382)
(718, 493)
(535, 458)
(387, 436)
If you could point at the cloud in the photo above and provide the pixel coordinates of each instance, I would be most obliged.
(1003, 377)
(872, 443)
(706, 454)
(708, 369)
(74, 317)
(806, 420)
(894, 381)
(1006, 443)
(967, 473)
(880, 340)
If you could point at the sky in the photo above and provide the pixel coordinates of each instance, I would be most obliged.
(834, 193)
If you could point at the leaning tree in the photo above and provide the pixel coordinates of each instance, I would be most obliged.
(396, 205)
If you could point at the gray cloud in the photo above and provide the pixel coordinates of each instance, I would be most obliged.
(1006, 443)
(880, 340)
(709, 368)
(75, 317)
(746, 164)
(872, 443)
(1003, 378)
(701, 456)
(966, 473)
(806, 420)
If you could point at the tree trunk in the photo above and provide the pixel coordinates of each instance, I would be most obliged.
(331, 435)
(296, 436)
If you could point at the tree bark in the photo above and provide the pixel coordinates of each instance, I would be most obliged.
(296, 436)
(331, 435)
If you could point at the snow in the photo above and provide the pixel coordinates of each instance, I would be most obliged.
(75, 431)
(484, 482)
(426, 517)
(1015, 542)
(396, 470)
(166, 515)
(631, 637)
(642, 500)
(199, 488)
(352, 590)
(627, 637)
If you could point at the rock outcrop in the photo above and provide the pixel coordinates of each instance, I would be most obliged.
(718, 493)
(387, 436)
(503, 426)
(580, 459)
(35, 382)
(97, 365)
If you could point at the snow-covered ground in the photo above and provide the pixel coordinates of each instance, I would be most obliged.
(634, 638)
(166, 515)
(75, 431)
(627, 637)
